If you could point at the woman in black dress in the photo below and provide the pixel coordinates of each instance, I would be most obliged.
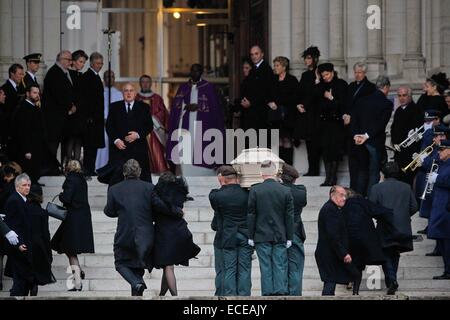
(75, 235)
(283, 104)
(331, 95)
(433, 99)
(174, 244)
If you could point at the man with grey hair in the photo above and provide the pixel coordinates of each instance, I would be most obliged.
(58, 101)
(369, 131)
(357, 90)
(133, 201)
(271, 229)
(18, 219)
(407, 117)
(92, 112)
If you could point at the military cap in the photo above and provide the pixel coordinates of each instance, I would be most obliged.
(441, 129)
(432, 115)
(445, 145)
(329, 67)
(34, 57)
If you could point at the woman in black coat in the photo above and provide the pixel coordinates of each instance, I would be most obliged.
(331, 95)
(174, 243)
(283, 107)
(364, 243)
(75, 235)
(433, 99)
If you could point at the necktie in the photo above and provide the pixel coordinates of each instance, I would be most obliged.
(128, 108)
(68, 77)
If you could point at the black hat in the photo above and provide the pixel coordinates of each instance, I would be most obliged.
(432, 115)
(290, 171)
(329, 67)
(226, 171)
(445, 144)
(34, 57)
(441, 129)
(36, 189)
(311, 51)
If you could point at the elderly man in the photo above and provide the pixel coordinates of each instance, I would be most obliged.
(271, 229)
(128, 125)
(369, 130)
(407, 117)
(332, 253)
(58, 100)
(92, 112)
(357, 90)
(133, 201)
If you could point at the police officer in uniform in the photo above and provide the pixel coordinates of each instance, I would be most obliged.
(271, 229)
(439, 223)
(230, 210)
(32, 60)
(296, 253)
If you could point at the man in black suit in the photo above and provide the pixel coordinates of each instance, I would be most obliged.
(128, 125)
(18, 219)
(14, 91)
(32, 60)
(260, 80)
(358, 89)
(92, 112)
(58, 100)
(369, 130)
(28, 134)
(407, 117)
(2, 118)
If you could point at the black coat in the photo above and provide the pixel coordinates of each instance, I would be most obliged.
(356, 91)
(174, 244)
(57, 100)
(259, 83)
(75, 126)
(6, 190)
(133, 202)
(28, 80)
(92, 106)
(230, 214)
(119, 124)
(364, 243)
(308, 124)
(12, 101)
(438, 103)
(372, 117)
(75, 234)
(332, 246)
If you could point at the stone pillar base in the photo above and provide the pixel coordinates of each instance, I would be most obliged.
(414, 68)
(376, 66)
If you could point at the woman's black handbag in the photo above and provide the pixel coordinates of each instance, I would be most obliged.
(56, 211)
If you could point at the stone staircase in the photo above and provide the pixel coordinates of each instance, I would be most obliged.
(415, 272)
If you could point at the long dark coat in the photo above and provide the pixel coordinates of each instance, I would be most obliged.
(439, 223)
(307, 124)
(75, 126)
(332, 247)
(365, 245)
(92, 107)
(174, 244)
(397, 196)
(75, 235)
(57, 100)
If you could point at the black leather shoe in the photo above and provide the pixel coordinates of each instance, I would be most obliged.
(392, 288)
(1, 286)
(82, 275)
(138, 290)
(445, 276)
(75, 289)
(434, 254)
(34, 291)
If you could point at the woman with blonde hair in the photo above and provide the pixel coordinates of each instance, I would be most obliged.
(75, 235)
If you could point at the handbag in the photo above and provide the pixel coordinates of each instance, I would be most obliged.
(56, 211)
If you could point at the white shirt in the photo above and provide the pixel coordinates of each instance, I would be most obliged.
(259, 63)
(96, 73)
(24, 198)
(30, 102)
(32, 76)
(13, 84)
(126, 109)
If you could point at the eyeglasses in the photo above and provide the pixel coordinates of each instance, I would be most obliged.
(68, 59)
(402, 95)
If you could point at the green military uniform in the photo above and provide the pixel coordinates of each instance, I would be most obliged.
(218, 260)
(230, 207)
(296, 253)
(271, 225)
(3, 228)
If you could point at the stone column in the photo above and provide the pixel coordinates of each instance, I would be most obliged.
(337, 36)
(375, 58)
(280, 26)
(395, 36)
(445, 38)
(5, 38)
(298, 25)
(356, 33)
(413, 62)
(319, 26)
(51, 30)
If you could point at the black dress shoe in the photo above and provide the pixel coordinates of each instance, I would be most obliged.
(310, 174)
(445, 276)
(75, 289)
(392, 288)
(434, 254)
(138, 290)
(82, 275)
(1, 286)
(34, 291)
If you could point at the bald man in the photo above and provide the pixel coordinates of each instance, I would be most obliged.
(128, 125)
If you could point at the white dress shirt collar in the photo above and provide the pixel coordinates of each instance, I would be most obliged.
(13, 84)
(259, 63)
(24, 198)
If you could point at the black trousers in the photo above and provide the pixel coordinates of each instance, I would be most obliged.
(90, 155)
(313, 149)
(131, 275)
(329, 289)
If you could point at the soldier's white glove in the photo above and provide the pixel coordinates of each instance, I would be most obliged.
(12, 237)
(251, 243)
(288, 244)
(432, 177)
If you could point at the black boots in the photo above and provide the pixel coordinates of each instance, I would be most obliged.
(331, 174)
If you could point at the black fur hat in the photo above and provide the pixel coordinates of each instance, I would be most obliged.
(441, 81)
(311, 51)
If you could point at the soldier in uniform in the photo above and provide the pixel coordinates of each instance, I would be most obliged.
(271, 229)
(439, 224)
(296, 253)
(32, 60)
(230, 212)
